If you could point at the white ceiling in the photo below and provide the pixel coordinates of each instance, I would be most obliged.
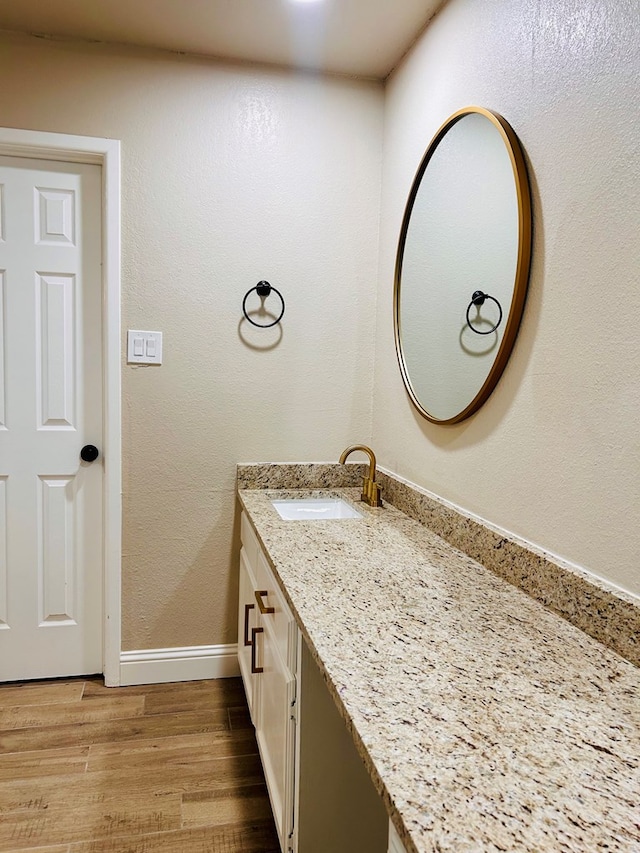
(356, 37)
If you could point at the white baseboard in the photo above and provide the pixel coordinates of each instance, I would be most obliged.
(156, 666)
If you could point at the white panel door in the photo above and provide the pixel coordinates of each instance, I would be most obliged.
(50, 406)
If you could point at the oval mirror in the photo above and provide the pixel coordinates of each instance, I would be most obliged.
(462, 265)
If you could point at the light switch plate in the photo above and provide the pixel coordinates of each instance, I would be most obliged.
(144, 347)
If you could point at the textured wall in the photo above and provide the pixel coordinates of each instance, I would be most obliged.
(233, 174)
(553, 456)
(230, 175)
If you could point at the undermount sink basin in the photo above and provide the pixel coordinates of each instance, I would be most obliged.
(305, 509)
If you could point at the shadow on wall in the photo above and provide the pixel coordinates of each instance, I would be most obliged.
(260, 328)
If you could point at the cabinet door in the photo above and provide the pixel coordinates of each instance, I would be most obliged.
(276, 733)
(395, 845)
(247, 620)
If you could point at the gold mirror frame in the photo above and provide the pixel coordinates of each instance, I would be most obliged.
(522, 266)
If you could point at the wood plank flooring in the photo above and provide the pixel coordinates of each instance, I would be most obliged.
(162, 768)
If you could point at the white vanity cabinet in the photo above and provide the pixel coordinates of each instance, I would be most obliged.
(321, 794)
(267, 645)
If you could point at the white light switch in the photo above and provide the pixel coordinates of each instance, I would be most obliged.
(144, 347)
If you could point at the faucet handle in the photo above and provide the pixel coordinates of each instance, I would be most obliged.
(371, 492)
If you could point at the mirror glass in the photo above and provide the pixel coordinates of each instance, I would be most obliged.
(462, 265)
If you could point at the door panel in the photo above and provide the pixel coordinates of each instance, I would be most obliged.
(2, 335)
(57, 581)
(55, 385)
(3, 553)
(50, 406)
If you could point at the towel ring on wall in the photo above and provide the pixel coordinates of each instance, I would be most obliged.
(478, 299)
(263, 289)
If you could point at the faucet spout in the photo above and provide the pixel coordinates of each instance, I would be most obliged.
(365, 449)
(370, 489)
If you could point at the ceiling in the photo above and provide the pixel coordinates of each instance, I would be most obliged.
(364, 38)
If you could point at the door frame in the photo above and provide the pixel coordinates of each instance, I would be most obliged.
(106, 153)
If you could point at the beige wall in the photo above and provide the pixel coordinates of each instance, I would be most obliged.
(554, 455)
(230, 175)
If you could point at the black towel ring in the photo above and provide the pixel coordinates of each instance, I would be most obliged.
(478, 299)
(263, 289)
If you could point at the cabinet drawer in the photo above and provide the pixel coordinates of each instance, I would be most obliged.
(279, 623)
(249, 542)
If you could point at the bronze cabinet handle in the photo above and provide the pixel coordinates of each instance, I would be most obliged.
(254, 667)
(263, 607)
(247, 608)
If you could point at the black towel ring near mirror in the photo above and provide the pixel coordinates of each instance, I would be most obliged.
(478, 299)
(263, 289)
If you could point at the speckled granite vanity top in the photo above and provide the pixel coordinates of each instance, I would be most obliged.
(487, 722)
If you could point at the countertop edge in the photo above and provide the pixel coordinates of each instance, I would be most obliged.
(603, 611)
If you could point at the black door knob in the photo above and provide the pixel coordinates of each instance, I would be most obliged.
(89, 453)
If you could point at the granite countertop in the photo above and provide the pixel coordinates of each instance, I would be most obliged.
(487, 722)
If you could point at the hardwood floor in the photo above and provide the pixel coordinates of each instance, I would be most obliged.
(163, 768)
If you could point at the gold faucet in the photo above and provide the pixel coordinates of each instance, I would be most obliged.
(370, 489)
